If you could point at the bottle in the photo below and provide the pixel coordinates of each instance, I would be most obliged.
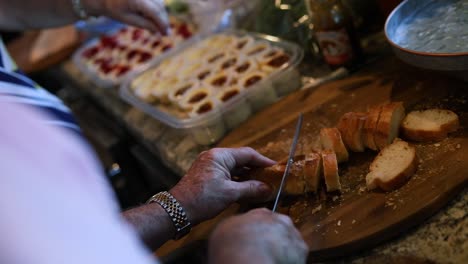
(333, 27)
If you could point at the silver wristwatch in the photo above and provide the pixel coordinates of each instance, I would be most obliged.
(175, 211)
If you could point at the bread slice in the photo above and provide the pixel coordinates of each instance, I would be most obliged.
(351, 128)
(330, 139)
(330, 171)
(370, 127)
(389, 123)
(394, 165)
(429, 125)
(274, 174)
(312, 172)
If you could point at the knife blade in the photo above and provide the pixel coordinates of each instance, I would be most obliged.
(290, 161)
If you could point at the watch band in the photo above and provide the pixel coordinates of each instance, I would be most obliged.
(79, 9)
(175, 211)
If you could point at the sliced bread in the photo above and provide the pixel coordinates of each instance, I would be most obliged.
(312, 172)
(351, 128)
(370, 127)
(429, 125)
(389, 123)
(330, 139)
(274, 174)
(394, 165)
(330, 171)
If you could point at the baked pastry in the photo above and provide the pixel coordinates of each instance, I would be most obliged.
(330, 139)
(351, 127)
(388, 126)
(429, 125)
(394, 165)
(114, 56)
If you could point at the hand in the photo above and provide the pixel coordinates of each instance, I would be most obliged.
(149, 14)
(259, 236)
(207, 188)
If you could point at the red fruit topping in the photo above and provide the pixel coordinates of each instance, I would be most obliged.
(131, 54)
(145, 41)
(121, 70)
(91, 52)
(156, 43)
(184, 31)
(144, 57)
(109, 42)
(137, 33)
(106, 68)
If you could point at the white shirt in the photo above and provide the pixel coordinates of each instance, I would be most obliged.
(56, 206)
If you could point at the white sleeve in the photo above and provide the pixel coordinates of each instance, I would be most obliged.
(56, 206)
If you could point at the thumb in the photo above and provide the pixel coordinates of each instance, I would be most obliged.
(253, 191)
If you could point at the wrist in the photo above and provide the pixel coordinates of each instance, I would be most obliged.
(187, 203)
(176, 212)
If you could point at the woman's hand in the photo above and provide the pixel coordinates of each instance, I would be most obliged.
(259, 236)
(207, 188)
(149, 14)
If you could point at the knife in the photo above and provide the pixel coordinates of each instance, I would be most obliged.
(290, 160)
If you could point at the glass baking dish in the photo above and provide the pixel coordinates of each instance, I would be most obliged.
(258, 90)
(107, 60)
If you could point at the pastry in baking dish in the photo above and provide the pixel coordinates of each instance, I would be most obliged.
(220, 64)
(113, 56)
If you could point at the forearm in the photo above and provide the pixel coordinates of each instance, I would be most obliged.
(31, 14)
(152, 223)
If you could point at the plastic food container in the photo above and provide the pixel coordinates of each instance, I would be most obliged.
(224, 98)
(109, 59)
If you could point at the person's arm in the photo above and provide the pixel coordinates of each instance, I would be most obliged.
(203, 192)
(32, 14)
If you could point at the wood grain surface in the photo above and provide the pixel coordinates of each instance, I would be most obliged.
(340, 224)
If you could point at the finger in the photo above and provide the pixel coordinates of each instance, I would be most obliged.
(138, 21)
(154, 11)
(252, 191)
(246, 157)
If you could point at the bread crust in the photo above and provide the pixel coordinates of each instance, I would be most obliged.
(422, 135)
(312, 172)
(330, 171)
(331, 140)
(351, 126)
(391, 116)
(370, 126)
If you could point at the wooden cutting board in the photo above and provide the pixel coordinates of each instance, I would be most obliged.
(335, 225)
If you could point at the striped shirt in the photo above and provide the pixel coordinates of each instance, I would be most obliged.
(15, 87)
